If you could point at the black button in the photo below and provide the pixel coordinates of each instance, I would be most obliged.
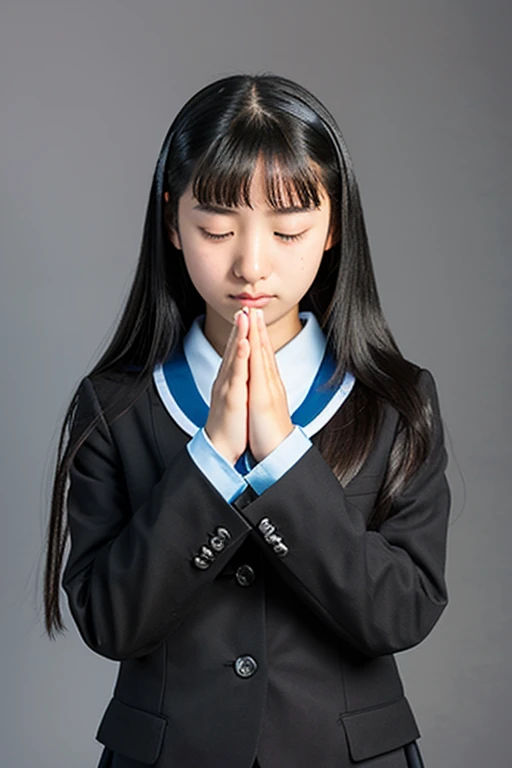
(245, 575)
(201, 563)
(245, 666)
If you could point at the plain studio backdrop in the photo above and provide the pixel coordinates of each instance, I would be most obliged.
(421, 91)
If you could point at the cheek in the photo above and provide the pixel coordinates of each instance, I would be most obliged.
(306, 268)
(203, 271)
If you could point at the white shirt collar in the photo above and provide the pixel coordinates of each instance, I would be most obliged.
(298, 361)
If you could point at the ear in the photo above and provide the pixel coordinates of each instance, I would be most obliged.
(173, 235)
(175, 238)
(331, 240)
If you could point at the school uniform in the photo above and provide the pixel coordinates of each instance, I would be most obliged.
(254, 615)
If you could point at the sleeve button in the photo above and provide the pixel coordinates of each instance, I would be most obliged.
(223, 533)
(280, 549)
(217, 543)
(207, 553)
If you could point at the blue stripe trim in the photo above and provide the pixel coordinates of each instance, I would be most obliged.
(316, 399)
(182, 386)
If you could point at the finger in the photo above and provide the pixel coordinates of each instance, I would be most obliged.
(234, 336)
(243, 328)
(265, 355)
(267, 349)
(239, 365)
(244, 322)
(229, 350)
(257, 366)
(237, 370)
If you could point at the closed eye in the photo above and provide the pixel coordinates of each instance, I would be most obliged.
(286, 238)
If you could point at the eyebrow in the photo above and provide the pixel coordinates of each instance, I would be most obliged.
(210, 208)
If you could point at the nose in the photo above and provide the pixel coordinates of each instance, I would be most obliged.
(252, 261)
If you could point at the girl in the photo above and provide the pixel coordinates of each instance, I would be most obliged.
(257, 503)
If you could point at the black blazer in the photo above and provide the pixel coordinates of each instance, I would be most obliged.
(277, 639)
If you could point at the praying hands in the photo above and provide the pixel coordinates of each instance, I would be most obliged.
(248, 406)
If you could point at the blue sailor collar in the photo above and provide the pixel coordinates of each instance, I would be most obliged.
(184, 382)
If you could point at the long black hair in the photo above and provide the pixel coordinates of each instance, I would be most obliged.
(215, 141)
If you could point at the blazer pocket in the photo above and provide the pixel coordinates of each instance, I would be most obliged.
(133, 732)
(379, 729)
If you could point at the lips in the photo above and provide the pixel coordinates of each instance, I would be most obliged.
(253, 298)
(261, 300)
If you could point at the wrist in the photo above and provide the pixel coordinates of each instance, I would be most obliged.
(221, 448)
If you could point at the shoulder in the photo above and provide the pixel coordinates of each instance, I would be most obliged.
(423, 379)
(428, 388)
(417, 384)
(111, 392)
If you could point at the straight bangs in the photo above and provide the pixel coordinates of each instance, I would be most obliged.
(224, 173)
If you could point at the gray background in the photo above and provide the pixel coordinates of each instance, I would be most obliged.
(421, 91)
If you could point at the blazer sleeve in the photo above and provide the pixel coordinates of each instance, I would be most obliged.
(132, 575)
(381, 590)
